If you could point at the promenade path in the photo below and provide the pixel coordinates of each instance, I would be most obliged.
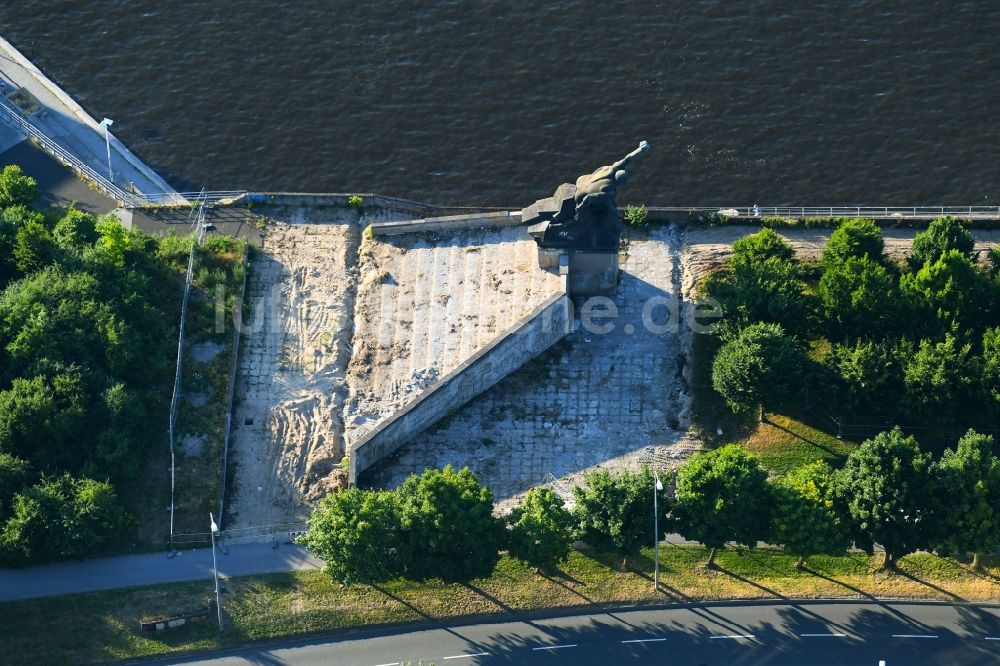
(109, 573)
(65, 122)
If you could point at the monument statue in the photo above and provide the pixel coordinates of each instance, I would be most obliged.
(582, 216)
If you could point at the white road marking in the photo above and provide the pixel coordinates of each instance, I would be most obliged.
(466, 656)
(395, 663)
(914, 636)
(993, 638)
(555, 647)
(734, 636)
(823, 635)
(645, 640)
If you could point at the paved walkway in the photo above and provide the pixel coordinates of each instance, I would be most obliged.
(150, 569)
(65, 122)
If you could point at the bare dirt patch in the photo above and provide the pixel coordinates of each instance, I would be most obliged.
(288, 435)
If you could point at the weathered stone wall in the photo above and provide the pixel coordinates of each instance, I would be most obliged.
(543, 327)
(447, 223)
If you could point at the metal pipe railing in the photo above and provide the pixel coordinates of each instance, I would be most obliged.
(128, 199)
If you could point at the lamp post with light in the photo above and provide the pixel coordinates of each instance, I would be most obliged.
(657, 488)
(106, 123)
(215, 567)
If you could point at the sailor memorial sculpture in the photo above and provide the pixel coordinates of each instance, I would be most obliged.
(579, 227)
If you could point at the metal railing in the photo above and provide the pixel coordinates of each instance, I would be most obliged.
(13, 116)
(875, 212)
(277, 533)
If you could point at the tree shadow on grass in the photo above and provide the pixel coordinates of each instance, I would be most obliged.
(404, 602)
(554, 576)
(747, 581)
(909, 576)
(486, 595)
(798, 435)
(856, 590)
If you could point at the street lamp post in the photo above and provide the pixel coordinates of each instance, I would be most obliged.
(106, 123)
(657, 487)
(215, 567)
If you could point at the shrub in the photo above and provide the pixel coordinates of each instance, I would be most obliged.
(614, 512)
(940, 236)
(859, 296)
(761, 366)
(540, 529)
(855, 237)
(887, 489)
(16, 188)
(447, 525)
(355, 201)
(355, 532)
(722, 496)
(635, 216)
(62, 518)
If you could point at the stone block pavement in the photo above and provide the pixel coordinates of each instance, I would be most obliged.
(615, 398)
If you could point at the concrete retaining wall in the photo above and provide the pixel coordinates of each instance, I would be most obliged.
(542, 328)
(447, 223)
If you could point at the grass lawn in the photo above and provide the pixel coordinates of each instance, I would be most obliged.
(783, 443)
(103, 626)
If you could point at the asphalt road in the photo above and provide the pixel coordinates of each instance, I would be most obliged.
(814, 633)
(149, 569)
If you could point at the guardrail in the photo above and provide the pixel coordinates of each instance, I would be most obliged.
(274, 534)
(875, 212)
(13, 117)
(128, 199)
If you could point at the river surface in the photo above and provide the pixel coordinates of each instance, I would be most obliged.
(495, 103)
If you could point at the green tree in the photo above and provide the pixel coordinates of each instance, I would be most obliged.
(33, 247)
(760, 367)
(887, 488)
(723, 496)
(993, 262)
(870, 375)
(806, 520)
(43, 418)
(941, 379)
(952, 291)
(857, 238)
(615, 512)
(75, 229)
(448, 528)
(941, 235)
(15, 474)
(968, 482)
(759, 247)
(62, 518)
(114, 239)
(540, 530)
(859, 297)
(16, 188)
(991, 364)
(355, 532)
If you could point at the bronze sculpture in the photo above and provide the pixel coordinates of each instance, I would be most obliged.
(582, 216)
